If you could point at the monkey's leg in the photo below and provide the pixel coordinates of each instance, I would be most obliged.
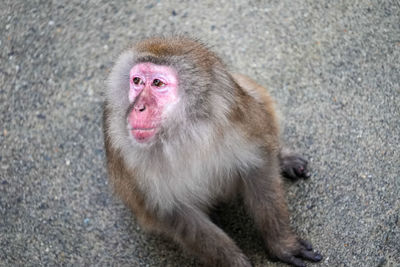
(293, 166)
(195, 232)
(264, 198)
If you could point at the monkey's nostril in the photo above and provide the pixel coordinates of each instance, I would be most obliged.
(140, 108)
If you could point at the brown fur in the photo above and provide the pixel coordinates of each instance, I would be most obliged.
(178, 47)
(253, 115)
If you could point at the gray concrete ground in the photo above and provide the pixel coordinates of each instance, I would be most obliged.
(333, 67)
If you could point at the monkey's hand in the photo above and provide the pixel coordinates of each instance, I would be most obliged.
(264, 197)
(293, 166)
(303, 250)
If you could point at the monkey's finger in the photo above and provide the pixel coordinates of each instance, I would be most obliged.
(289, 173)
(310, 255)
(303, 160)
(294, 261)
(306, 244)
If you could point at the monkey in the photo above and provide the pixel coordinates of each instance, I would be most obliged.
(182, 134)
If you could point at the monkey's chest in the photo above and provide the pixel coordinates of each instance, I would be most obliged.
(198, 187)
(198, 182)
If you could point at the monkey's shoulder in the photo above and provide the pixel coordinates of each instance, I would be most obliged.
(254, 110)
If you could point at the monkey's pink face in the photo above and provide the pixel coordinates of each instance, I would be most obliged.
(152, 89)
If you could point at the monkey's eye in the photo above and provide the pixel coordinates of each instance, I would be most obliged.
(136, 80)
(158, 83)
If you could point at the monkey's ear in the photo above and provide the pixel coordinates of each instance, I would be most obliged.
(118, 80)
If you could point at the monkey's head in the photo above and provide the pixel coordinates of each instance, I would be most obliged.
(163, 87)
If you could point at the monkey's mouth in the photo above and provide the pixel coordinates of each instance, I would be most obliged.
(142, 135)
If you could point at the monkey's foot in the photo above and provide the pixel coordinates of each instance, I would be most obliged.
(294, 167)
(304, 251)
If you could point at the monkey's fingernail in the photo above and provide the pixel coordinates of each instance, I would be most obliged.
(317, 256)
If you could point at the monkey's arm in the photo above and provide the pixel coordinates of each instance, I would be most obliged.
(195, 231)
(264, 197)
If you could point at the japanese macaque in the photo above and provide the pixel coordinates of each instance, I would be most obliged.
(183, 134)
